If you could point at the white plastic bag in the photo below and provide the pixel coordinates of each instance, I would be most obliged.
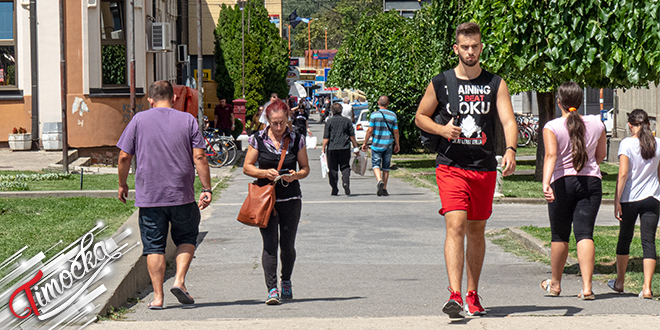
(310, 141)
(359, 165)
(324, 165)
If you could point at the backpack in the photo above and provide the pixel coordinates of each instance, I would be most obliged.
(429, 140)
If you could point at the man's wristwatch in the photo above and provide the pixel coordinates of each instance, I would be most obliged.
(207, 191)
(512, 148)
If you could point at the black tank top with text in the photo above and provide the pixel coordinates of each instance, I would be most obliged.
(475, 147)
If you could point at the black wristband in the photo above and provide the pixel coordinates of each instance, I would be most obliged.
(512, 148)
(207, 191)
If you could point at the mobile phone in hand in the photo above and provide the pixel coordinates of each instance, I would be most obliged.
(284, 172)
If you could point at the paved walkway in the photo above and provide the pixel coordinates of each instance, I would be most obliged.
(369, 262)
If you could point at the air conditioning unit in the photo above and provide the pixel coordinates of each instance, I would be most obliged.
(182, 53)
(161, 37)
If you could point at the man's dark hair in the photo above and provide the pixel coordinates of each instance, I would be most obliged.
(336, 109)
(466, 29)
(161, 91)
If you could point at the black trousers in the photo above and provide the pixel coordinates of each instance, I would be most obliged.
(281, 228)
(648, 211)
(339, 159)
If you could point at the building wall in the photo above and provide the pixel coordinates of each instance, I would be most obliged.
(647, 99)
(210, 15)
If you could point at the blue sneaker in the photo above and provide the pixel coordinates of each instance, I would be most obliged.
(273, 297)
(287, 294)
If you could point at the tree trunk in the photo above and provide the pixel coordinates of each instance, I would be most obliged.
(546, 105)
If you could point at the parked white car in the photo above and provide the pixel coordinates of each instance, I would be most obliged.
(361, 126)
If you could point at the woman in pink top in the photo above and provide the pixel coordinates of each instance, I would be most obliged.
(574, 146)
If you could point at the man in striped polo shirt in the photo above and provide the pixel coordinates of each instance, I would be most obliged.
(383, 127)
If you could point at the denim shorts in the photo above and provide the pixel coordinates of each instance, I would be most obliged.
(384, 157)
(155, 222)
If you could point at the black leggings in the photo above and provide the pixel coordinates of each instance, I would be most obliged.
(648, 211)
(286, 220)
(577, 200)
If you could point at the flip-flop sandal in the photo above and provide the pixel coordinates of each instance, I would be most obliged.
(545, 286)
(155, 307)
(582, 296)
(182, 296)
(611, 284)
(641, 296)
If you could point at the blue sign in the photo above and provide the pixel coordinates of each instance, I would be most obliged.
(320, 78)
(326, 72)
(308, 84)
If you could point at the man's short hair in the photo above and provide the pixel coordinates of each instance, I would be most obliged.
(273, 95)
(336, 109)
(383, 101)
(346, 100)
(161, 91)
(466, 29)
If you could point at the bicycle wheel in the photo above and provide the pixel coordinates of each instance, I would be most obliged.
(523, 137)
(231, 148)
(216, 153)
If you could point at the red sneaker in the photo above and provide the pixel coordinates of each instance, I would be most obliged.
(454, 305)
(472, 304)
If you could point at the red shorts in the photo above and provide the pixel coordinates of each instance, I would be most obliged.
(466, 190)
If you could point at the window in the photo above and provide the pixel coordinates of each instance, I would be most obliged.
(113, 43)
(7, 45)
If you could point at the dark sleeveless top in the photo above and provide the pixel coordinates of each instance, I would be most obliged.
(268, 159)
(475, 147)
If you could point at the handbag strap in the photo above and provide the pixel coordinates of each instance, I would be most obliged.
(285, 146)
(452, 88)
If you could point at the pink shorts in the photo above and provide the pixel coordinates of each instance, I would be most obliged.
(466, 190)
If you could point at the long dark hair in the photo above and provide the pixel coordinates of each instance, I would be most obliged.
(569, 95)
(638, 117)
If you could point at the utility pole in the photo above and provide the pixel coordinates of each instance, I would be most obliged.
(200, 69)
(241, 5)
(326, 38)
(34, 64)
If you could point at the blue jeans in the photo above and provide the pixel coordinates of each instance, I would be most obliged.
(381, 159)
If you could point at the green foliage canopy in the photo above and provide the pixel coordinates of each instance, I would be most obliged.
(266, 56)
(537, 45)
(395, 56)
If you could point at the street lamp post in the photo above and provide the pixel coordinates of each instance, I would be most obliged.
(326, 38)
(309, 40)
(241, 5)
(288, 31)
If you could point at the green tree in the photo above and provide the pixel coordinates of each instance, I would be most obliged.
(395, 56)
(340, 19)
(266, 55)
(537, 45)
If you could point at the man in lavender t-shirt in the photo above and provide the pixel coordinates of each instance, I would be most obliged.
(168, 147)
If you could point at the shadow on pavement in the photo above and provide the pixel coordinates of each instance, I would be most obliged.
(504, 311)
(253, 302)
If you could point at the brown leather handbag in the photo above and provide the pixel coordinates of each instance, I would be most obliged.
(260, 201)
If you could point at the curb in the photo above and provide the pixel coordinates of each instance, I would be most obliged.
(130, 275)
(534, 244)
(65, 193)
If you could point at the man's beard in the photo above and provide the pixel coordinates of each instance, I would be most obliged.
(468, 63)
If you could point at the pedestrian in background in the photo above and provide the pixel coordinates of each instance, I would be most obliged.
(637, 194)
(385, 131)
(224, 117)
(574, 146)
(337, 136)
(256, 124)
(168, 148)
(347, 109)
(265, 147)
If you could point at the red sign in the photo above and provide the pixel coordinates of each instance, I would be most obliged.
(294, 62)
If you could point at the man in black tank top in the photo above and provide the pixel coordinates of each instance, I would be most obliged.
(466, 165)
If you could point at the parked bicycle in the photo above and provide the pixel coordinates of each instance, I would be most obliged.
(221, 150)
(528, 128)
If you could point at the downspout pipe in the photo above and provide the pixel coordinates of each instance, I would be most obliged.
(65, 140)
(34, 58)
